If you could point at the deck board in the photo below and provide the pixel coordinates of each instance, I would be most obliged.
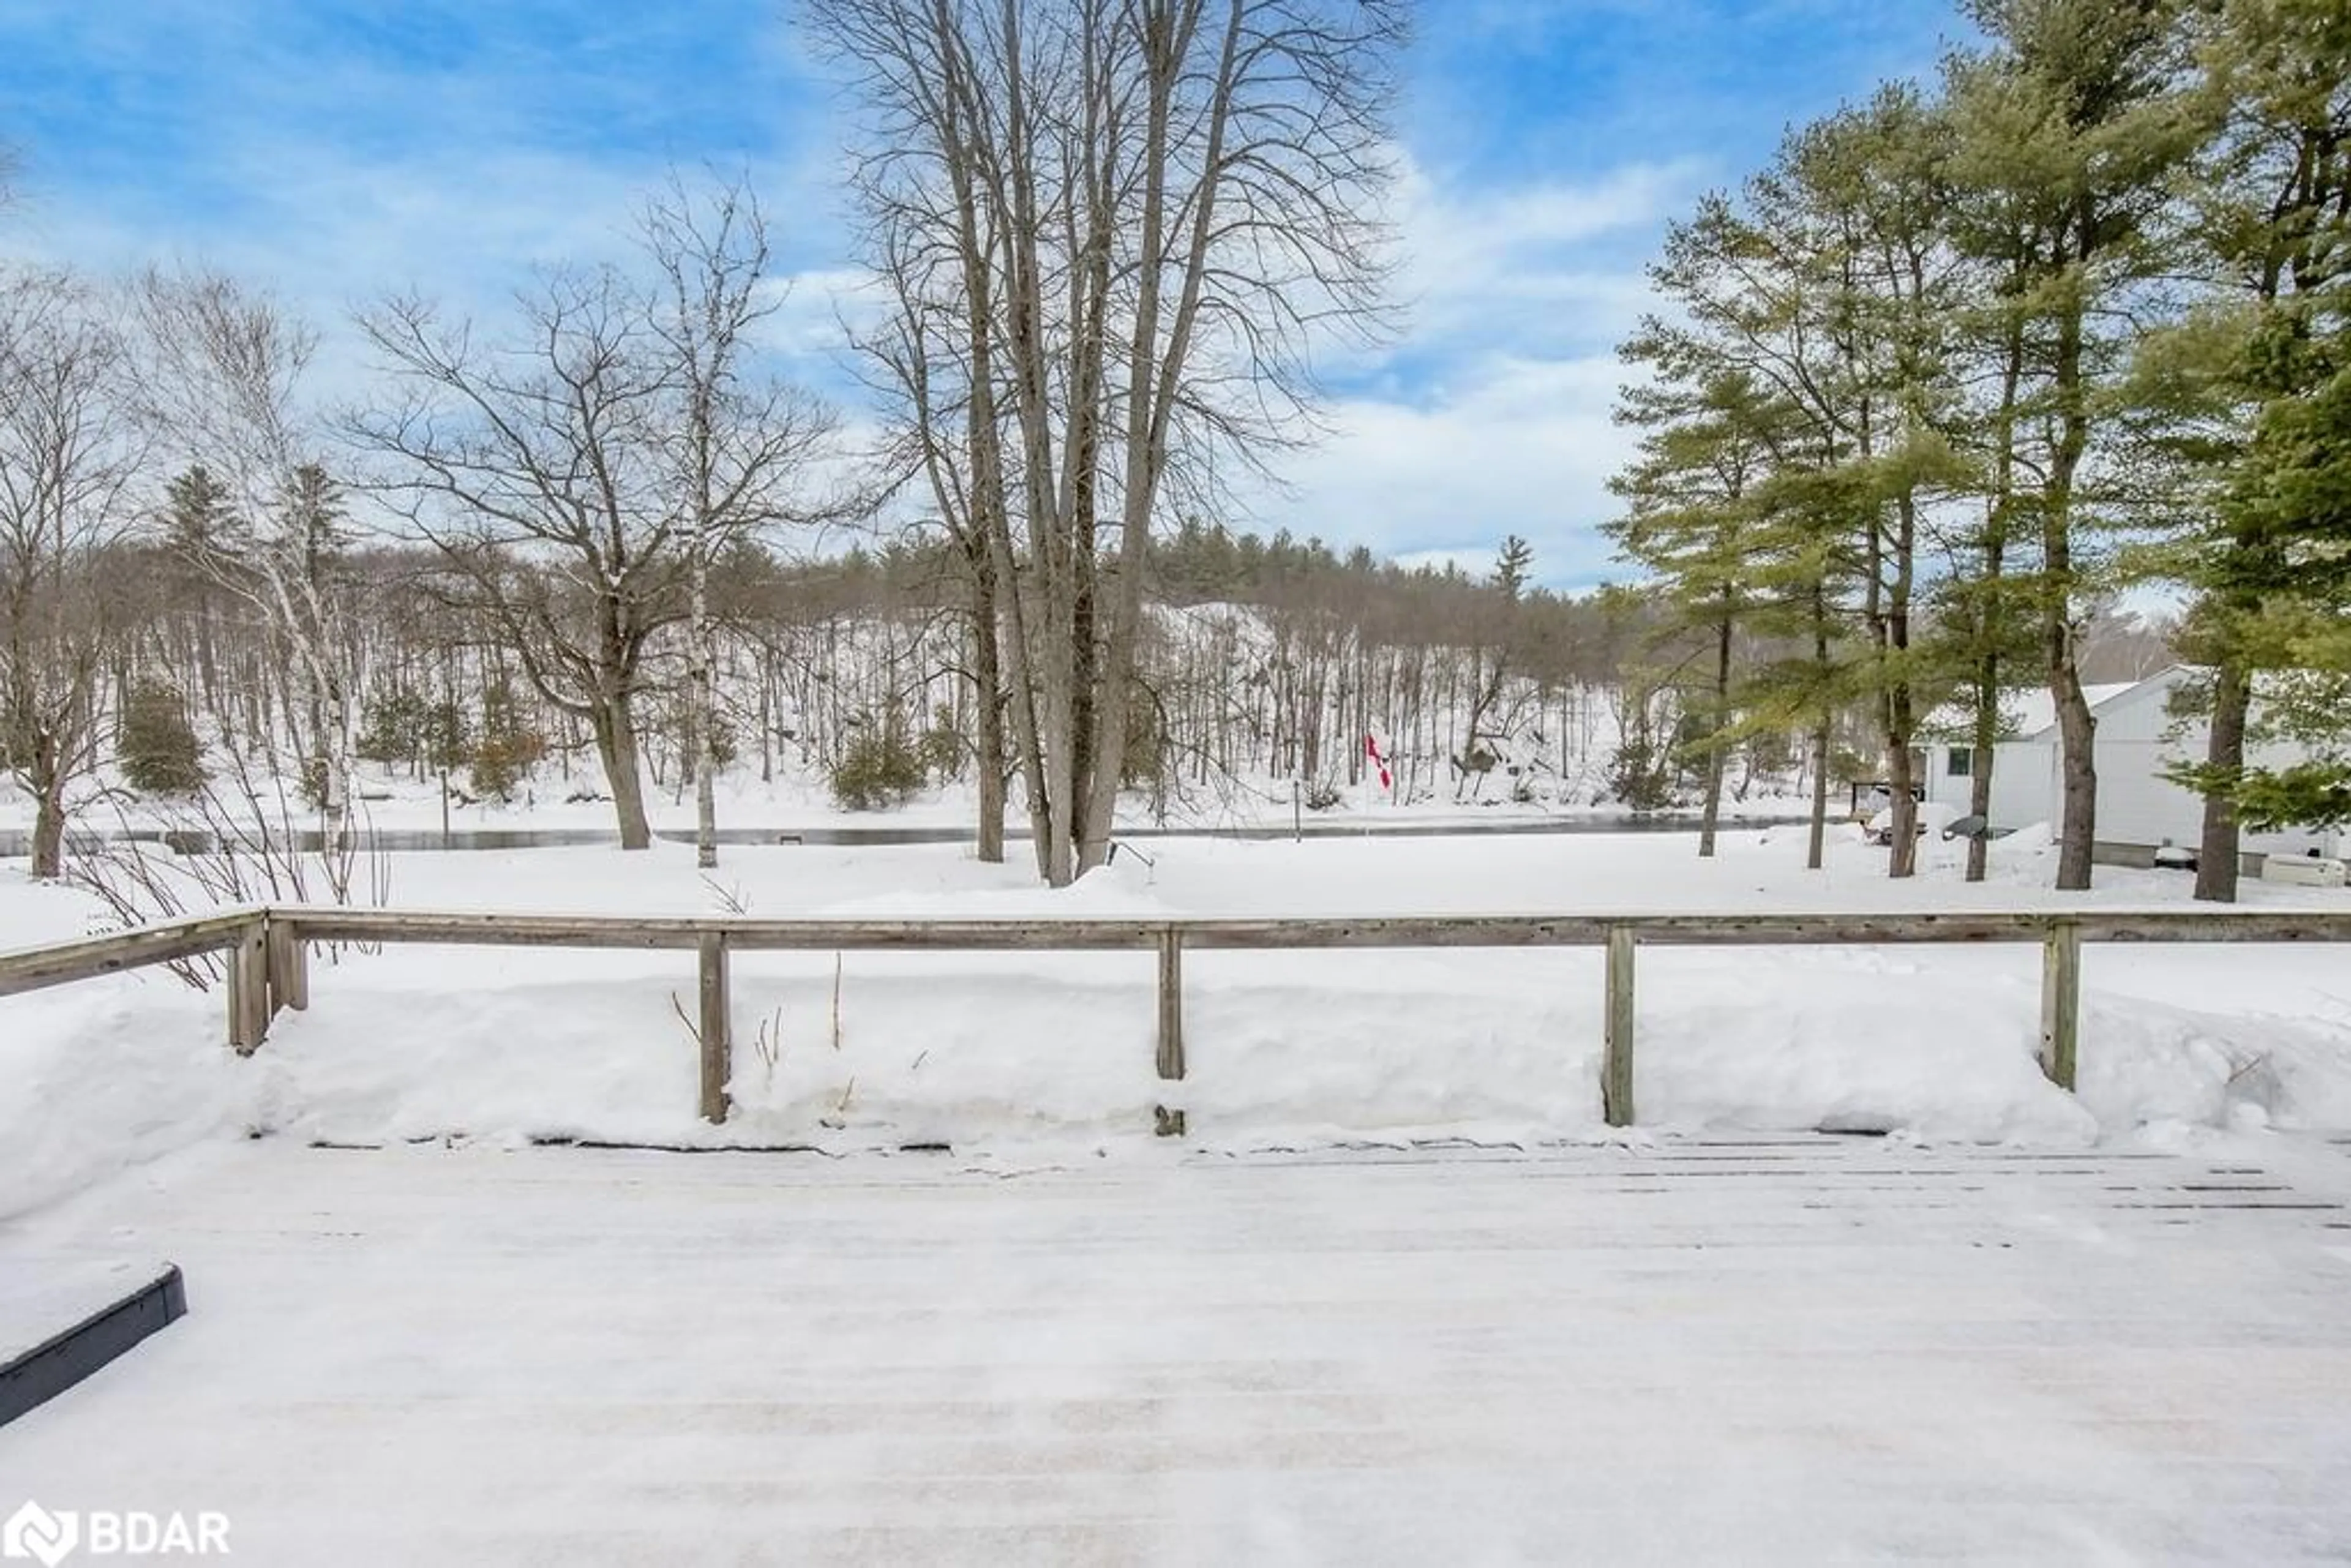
(1771, 1349)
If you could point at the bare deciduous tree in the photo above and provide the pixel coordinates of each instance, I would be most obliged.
(579, 476)
(533, 466)
(71, 448)
(1116, 231)
(739, 447)
(224, 375)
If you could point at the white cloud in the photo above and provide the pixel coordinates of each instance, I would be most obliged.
(1492, 414)
(810, 307)
(1518, 445)
(1551, 266)
(1489, 415)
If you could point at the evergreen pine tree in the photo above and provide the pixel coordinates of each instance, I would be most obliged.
(158, 746)
(2256, 377)
(1692, 520)
(2068, 131)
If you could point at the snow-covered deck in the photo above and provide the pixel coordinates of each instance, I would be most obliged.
(1775, 1349)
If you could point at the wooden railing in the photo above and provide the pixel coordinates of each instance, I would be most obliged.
(268, 967)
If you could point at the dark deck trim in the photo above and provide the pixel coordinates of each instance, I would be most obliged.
(63, 1359)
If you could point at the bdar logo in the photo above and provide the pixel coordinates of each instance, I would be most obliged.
(34, 1531)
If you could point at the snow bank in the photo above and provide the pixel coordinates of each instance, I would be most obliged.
(103, 1076)
(1005, 1050)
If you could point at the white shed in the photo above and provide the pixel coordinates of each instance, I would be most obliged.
(2023, 765)
(2138, 738)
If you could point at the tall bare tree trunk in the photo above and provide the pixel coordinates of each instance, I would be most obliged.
(49, 814)
(700, 699)
(987, 701)
(1076, 185)
(1155, 364)
(614, 722)
(706, 759)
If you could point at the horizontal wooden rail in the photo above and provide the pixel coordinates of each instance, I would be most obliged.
(30, 968)
(1048, 935)
(687, 932)
(268, 948)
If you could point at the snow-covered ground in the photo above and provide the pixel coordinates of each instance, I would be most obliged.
(2024, 1326)
(799, 799)
(1013, 1050)
(1776, 1352)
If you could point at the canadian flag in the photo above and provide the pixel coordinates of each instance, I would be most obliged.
(1372, 750)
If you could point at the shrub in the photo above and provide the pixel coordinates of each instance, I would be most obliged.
(159, 750)
(1640, 775)
(508, 748)
(942, 748)
(503, 759)
(1146, 756)
(725, 744)
(392, 729)
(878, 770)
(405, 727)
(447, 735)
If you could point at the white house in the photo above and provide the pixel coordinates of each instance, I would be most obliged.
(2138, 738)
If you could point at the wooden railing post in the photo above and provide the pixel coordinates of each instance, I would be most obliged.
(1170, 1118)
(288, 967)
(716, 1034)
(1616, 1061)
(2061, 1001)
(248, 988)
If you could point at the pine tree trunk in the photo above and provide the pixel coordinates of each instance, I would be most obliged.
(1990, 611)
(2077, 731)
(2078, 813)
(1901, 716)
(1711, 816)
(1979, 764)
(2217, 853)
(1822, 737)
(1815, 845)
(1902, 779)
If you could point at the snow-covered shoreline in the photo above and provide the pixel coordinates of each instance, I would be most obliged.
(396, 803)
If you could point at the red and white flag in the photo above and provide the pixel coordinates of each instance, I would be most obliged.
(1372, 750)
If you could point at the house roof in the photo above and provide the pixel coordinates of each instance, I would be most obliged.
(2023, 714)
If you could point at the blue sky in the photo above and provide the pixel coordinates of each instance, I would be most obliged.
(335, 149)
